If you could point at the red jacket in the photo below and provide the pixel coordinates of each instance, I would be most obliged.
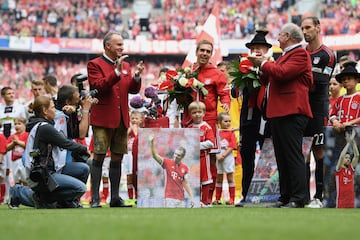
(113, 92)
(216, 84)
(290, 79)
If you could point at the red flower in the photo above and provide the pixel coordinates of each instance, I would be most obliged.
(170, 74)
(246, 66)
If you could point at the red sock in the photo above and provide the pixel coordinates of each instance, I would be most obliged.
(105, 191)
(218, 191)
(205, 193)
(130, 189)
(2, 192)
(232, 192)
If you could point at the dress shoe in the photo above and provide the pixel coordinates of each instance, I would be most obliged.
(95, 204)
(278, 204)
(118, 203)
(240, 204)
(293, 205)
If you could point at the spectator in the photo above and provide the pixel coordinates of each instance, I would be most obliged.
(112, 77)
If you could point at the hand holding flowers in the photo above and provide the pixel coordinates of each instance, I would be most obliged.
(180, 84)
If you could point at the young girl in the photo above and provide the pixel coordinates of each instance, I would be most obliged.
(225, 161)
(344, 173)
(16, 143)
(207, 139)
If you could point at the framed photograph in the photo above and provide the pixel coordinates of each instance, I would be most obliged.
(168, 168)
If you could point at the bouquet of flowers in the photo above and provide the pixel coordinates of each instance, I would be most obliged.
(244, 74)
(180, 84)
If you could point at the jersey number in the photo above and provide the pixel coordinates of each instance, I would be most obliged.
(318, 139)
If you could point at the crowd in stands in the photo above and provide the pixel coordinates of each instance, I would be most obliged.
(177, 19)
(17, 72)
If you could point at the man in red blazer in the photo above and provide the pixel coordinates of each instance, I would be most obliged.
(112, 77)
(289, 80)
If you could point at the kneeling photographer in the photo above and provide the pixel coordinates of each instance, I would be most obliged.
(53, 183)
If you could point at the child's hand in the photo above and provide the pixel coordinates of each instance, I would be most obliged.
(15, 139)
(220, 157)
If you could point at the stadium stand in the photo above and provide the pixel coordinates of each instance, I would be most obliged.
(151, 20)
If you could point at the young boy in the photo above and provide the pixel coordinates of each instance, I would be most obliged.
(207, 139)
(130, 159)
(344, 173)
(225, 161)
(16, 143)
(346, 111)
(335, 92)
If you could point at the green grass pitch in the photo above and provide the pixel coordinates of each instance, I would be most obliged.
(220, 222)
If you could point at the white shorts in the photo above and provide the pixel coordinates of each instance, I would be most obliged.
(6, 164)
(18, 170)
(105, 167)
(127, 164)
(226, 166)
(174, 203)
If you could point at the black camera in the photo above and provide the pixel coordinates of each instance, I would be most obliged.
(83, 92)
(40, 173)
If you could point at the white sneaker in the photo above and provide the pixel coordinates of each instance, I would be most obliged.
(315, 203)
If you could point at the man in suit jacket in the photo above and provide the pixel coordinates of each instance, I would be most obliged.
(289, 80)
(112, 77)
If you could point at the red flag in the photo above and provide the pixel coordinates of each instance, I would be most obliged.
(210, 32)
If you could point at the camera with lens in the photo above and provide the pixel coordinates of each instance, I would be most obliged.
(83, 92)
(39, 173)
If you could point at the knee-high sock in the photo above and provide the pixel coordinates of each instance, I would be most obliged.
(218, 191)
(308, 176)
(319, 178)
(96, 169)
(114, 176)
(205, 193)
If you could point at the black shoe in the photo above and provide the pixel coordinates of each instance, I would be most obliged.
(118, 203)
(293, 205)
(40, 203)
(240, 204)
(73, 204)
(13, 204)
(95, 204)
(278, 204)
